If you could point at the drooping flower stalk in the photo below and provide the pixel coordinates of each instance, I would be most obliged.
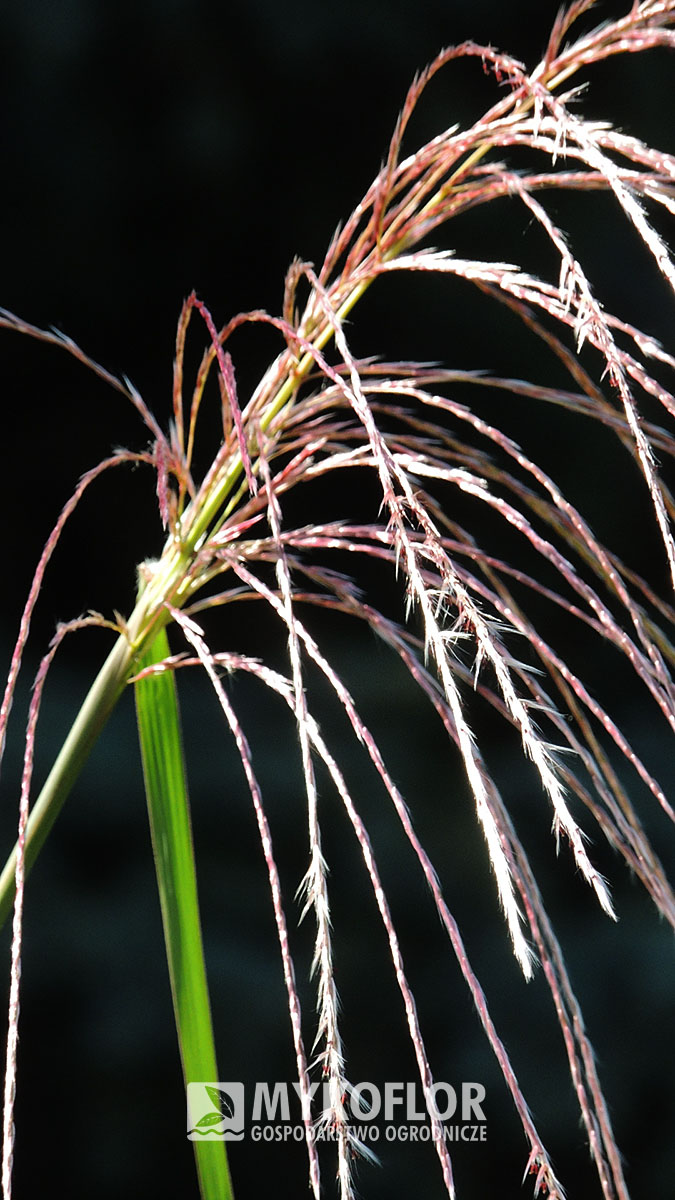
(318, 412)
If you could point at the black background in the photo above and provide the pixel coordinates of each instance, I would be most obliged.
(149, 149)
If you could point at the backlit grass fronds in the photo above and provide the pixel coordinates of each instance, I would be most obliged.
(477, 540)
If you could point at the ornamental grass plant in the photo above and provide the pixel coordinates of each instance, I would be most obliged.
(394, 497)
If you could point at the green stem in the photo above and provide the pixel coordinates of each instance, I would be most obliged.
(145, 622)
(94, 713)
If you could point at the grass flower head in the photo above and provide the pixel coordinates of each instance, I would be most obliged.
(480, 625)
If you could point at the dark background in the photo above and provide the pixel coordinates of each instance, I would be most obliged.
(149, 149)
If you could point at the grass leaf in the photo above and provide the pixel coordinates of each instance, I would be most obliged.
(169, 812)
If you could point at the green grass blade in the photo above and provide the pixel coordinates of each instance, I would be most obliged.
(169, 812)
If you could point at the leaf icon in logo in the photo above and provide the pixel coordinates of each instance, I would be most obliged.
(210, 1118)
(220, 1100)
